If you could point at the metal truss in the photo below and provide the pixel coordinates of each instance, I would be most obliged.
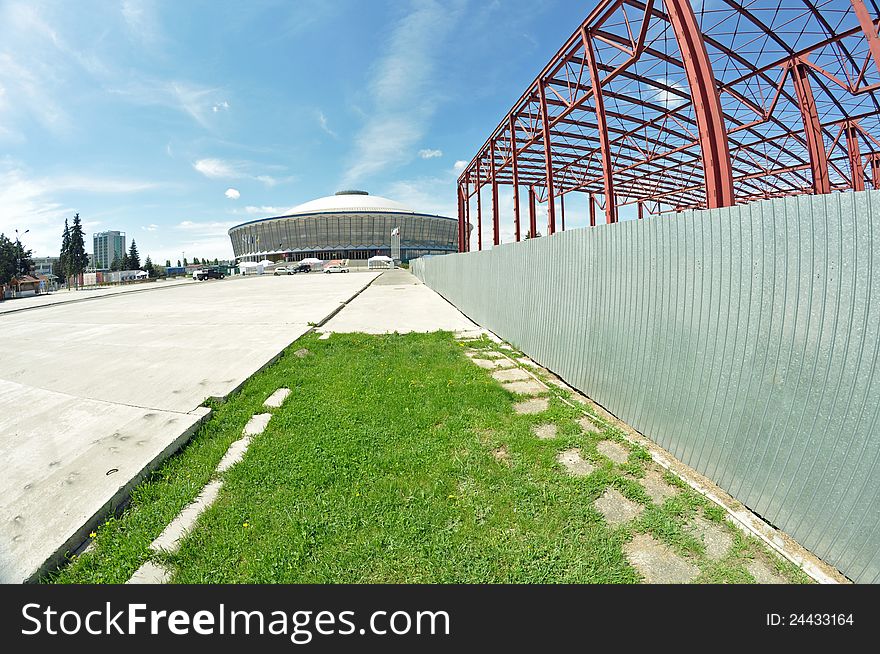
(673, 105)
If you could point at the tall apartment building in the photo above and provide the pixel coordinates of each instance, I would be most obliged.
(108, 246)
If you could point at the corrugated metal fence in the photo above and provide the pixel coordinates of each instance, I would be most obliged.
(743, 340)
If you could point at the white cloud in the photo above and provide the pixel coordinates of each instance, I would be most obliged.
(459, 165)
(232, 193)
(404, 99)
(324, 125)
(150, 228)
(668, 98)
(267, 210)
(430, 154)
(194, 100)
(141, 21)
(220, 106)
(215, 169)
(222, 169)
(32, 203)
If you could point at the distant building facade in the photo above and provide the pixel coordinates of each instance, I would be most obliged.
(107, 247)
(348, 225)
(44, 265)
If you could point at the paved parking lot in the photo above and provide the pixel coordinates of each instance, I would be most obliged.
(92, 392)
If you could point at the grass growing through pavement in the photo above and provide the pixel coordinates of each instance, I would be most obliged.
(395, 459)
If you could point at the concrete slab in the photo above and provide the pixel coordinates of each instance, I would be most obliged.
(277, 398)
(532, 405)
(489, 364)
(398, 302)
(257, 424)
(588, 425)
(512, 374)
(574, 463)
(715, 538)
(67, 462)
(657, 563)
(234, 454)
(150, 573)
(76, 435)
(614, 451)
(545, 432)
(182, 344)
(616, 508)
(657, 489)
(763, 573)
(169, 540)
(526, 387)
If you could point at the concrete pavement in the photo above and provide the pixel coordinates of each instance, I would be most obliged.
(93, 394)
(398, 302)
(65, 296)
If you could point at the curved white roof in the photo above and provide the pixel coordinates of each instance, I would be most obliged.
(350, 202)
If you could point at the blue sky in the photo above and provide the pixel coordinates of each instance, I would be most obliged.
(173, 121)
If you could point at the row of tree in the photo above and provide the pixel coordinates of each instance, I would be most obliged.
(74, 260)
(196, 262)
(131, 260)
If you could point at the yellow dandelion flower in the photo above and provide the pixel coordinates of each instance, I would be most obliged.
(92, 535)
(246, 525)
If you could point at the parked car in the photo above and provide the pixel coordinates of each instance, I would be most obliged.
(335, 268)
(283, 271)
(207, 273)
(303, 267)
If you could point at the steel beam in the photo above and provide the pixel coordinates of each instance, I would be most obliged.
(875, 171)
(515, 172)
(548, 160)
(854, 155)
(496, 228)
(479, 210)
(467, 216)
(592, 210)
(461, 228)
(706, 103)
(812, 128)
(601, 127)
(533, 213)
(562, 210)
(869, 28)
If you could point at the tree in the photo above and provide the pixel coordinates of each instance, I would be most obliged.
(23, 261)
(134, 259)
(167, 263)
(79, 260)
(185, 264)
(125, 264)
(148, 266)
(178, 264)
(7, 261)
(116, 263)
(64, 260)
(216, 261)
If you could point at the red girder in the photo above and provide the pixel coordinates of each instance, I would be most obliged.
(667, 107)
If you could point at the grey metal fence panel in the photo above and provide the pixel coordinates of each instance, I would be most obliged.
(744, 340)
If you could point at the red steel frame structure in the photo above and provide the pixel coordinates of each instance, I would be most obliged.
(660, 105)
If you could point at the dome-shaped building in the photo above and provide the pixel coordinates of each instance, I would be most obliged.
(347, 225)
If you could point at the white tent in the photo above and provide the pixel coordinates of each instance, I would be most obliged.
(380, 261)
(311, 261)
(266, 262)
(251, 268)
